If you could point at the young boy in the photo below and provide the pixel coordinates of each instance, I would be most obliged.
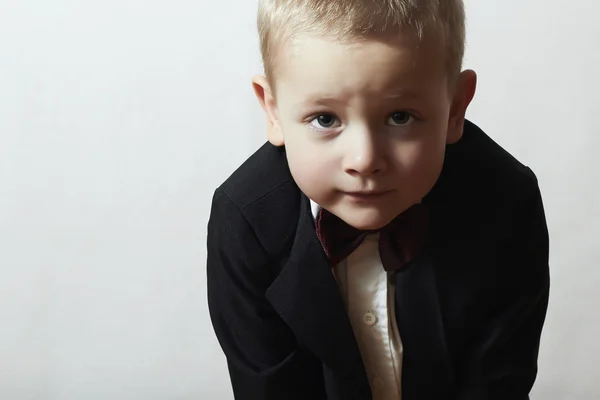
(379, 246)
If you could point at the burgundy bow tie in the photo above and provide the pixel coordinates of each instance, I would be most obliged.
(399, 241)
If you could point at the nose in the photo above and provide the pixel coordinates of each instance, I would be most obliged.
(363, 154)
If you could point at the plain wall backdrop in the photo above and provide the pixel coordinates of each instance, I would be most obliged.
(119, 118)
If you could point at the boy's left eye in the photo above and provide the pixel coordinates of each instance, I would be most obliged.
(400, 118)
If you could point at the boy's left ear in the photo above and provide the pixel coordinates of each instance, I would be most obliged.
(464, 93)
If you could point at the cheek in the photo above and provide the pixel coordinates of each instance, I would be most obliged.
(420, 165)
(307, 165)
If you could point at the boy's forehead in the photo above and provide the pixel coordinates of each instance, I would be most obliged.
(320, 69)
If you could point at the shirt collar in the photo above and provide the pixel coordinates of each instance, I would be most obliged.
(314, 208)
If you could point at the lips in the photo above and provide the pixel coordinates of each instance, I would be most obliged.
(367, 194)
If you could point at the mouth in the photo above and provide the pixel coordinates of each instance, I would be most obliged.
(367, 195)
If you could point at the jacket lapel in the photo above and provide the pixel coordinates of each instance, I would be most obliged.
(426, 358)
(418, 314)
(306, 296)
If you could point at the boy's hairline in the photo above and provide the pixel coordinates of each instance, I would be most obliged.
(351, 20)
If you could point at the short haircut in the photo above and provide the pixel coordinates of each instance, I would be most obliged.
(279, 21)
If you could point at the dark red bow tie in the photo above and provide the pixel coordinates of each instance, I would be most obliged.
(399, 241)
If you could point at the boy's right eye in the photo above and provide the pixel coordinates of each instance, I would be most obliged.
(324, 121)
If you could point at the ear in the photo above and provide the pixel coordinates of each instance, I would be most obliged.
(265, 97)
(464, 93)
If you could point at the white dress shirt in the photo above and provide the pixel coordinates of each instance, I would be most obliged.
(368, 292)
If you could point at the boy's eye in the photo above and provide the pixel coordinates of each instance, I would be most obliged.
(324, 121)
(400, 118)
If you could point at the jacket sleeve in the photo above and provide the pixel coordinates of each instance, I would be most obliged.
(502, 363)
(262, 354)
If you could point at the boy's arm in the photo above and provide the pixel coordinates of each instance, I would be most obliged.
(502, 364)
(262, 354)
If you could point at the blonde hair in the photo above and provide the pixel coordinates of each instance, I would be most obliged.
(279, 21)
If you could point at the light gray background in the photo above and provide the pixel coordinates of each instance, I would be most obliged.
(118, 118)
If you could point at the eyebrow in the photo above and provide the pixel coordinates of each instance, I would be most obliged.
(402, 94)
(321, 100)
(327, 99)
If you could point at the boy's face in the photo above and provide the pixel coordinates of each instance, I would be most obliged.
(365, 125)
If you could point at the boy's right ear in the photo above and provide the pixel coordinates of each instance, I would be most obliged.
(267, 101)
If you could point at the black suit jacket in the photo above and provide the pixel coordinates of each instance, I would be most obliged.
(470, 307)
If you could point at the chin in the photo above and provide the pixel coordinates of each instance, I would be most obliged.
(372, 226)
(367, 223)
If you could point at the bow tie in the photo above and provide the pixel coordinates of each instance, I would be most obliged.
(399, 241)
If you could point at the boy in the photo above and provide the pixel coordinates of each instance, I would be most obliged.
(379, 246)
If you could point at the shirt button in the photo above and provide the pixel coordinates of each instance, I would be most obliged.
(369, 319)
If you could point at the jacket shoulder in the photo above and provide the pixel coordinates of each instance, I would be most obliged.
(264, 193)
(483, 166)
(262, 173)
